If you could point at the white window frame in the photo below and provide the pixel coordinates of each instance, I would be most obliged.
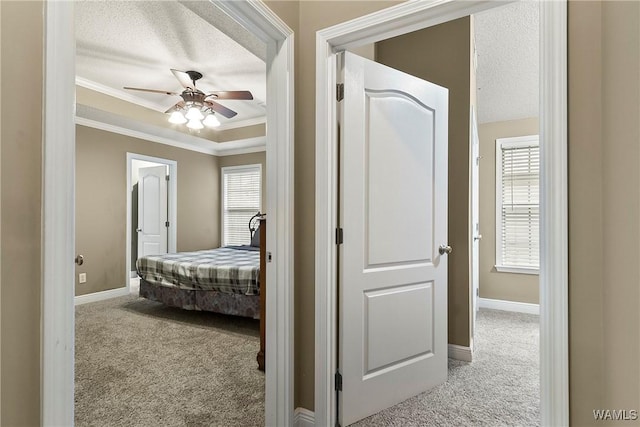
(513, 142)
(227, 169)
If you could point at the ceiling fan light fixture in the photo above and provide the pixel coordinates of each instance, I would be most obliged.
(194, 113)
(177, 118)
(196, 104)
(211, 121)
(195, 124)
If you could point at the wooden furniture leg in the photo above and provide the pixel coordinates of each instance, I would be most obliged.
(263, 291)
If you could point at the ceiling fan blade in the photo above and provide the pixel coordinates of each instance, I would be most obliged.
(221, 109)
(178, 106)
(183, 78)
(166, 92)
(231, 94)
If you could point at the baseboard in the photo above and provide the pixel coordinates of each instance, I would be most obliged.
(459, 352)
(519, 307)
(304, 418)
(133, 274)
(100, 296)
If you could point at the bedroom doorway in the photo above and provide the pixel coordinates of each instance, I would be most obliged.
(400, 20)
(505, 164)
(58, 213)
(166, 219)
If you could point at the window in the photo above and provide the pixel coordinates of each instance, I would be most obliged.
(517, 204)
(241, 199)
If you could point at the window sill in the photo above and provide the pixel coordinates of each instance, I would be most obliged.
(517, 270)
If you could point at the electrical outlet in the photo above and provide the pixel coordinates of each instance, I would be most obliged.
(82, 277)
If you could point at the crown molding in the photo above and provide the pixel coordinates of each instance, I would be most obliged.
(243, 123)
(98, 119)
(120, 94)
(242, 146)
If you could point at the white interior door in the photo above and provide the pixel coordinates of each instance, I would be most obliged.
(152, 211)
(475, 217)
(393, 212)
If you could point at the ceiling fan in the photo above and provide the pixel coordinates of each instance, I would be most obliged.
(197, 108)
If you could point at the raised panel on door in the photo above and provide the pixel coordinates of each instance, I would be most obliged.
(151, 205)
(386, 346)
(395, 213)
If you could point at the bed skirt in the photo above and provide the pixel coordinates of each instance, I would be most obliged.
(190, 299)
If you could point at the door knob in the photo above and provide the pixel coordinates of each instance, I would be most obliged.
(478, 237)
(445, 249)
(139, 230)
(79, 260)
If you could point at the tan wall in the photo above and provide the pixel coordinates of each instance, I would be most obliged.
(441, 54)
(0, 222)
(313, 16)
(604, 234)
(20, 201)
(493, 284)
(248, 159)
(101, 203)
(621, 199)
(586, 310)
(603, 290)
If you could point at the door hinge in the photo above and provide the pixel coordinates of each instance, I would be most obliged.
(339, 236)
(340, 91)
(166, 224)
(338, 380)
(167, 177)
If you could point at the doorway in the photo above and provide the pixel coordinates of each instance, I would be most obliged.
(134, 163)
(58, 214)
(403, 19)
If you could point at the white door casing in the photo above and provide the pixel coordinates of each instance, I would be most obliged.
(393, 198)
(401, 19)
(475, 219)
(152, 211)
(58, 209)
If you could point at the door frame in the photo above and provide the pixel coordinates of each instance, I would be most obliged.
(473, 233)
(172, 203)
(402, 19)
(57, 331)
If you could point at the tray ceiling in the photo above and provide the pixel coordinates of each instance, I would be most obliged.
(136, 43)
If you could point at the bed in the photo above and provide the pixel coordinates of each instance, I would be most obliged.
(227, 280)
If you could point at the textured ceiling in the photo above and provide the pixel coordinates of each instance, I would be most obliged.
(136, 43)
(507, 44)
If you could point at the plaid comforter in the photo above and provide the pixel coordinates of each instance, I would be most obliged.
(228, 270)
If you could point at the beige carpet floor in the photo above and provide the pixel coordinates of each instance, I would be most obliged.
(140, 363)
(499, 388)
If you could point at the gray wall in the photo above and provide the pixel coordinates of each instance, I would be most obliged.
(494, 284)
(101, 203)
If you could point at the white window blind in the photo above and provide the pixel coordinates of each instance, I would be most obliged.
(518, 203)
(241, 198)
